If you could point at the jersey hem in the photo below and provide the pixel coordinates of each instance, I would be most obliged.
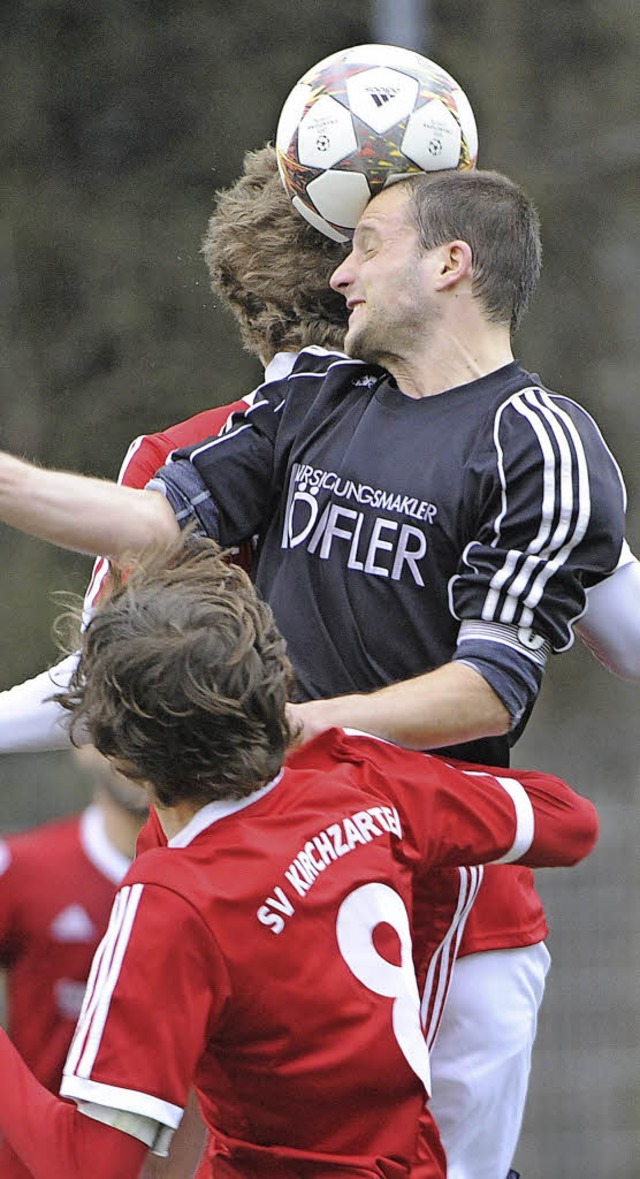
(506, 941)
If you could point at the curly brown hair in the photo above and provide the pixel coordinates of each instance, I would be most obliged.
(183, 678)
(271, 267)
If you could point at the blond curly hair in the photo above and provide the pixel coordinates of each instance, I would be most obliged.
(270, 267)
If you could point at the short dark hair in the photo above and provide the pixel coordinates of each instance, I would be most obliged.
(270, 267)
(183, 678)
(498, 221)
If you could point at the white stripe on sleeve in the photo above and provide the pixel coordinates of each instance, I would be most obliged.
(563, 512)
(525, 821)
(525, 817)
(104, 975)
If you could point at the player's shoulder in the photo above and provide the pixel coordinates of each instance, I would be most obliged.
(517, 415)
(347, 746)
(333, 745)
(316, 362)
(208, 421)
(187, 879)
(164, 867)
(380, 766)
(148, 452)
(532, 401)
(200, 425)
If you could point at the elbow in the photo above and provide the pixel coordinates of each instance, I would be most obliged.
(498, 721)
(567, 829)
(153, 525)
(503, 722)
(586, 829)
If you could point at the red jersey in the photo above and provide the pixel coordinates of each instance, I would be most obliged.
(57, 884)
(265, 952)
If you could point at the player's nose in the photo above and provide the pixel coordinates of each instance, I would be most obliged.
(342, 276)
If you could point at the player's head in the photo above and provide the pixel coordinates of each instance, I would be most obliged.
(489, 214)
(183, 679)
(271, 267)
(500, 223)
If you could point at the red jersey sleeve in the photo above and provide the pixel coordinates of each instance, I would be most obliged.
(455, 814)
(148, 1010)
(149, 452)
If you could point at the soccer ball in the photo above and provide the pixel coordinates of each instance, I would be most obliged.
(362, 119)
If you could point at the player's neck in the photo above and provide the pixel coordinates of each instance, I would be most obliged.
(451, 358)
(174, 818)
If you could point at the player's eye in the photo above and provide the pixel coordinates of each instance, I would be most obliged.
(367, 248)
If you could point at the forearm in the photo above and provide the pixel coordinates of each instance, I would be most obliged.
(82, 513)
(448, 706)
(29, 720)
(51, 1137)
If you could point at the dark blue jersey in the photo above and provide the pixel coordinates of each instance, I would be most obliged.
(396, 534)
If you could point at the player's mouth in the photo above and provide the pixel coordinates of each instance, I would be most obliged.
(354, 305)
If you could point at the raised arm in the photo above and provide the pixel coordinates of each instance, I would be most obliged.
(454, 813)
(82, 513)
(29, 719)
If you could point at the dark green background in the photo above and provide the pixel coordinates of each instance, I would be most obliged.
(120, 119)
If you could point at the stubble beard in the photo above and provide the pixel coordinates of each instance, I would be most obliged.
(362, 342)
(127, 795)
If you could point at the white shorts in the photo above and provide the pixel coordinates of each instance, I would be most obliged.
(481, 1060)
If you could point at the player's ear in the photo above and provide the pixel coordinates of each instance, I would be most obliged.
(455, 262)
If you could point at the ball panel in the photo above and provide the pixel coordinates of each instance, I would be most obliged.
(469, 128)
(373, 54)
(325, 134)
(432, 138)
(317, 221)
(291, 114)
(340, 197)
(381, 97)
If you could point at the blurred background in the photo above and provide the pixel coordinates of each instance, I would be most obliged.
(121, 119)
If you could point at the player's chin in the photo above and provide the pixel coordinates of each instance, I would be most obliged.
(355, 341)
(359, 345)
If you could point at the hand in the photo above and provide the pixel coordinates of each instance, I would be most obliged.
(308, 720)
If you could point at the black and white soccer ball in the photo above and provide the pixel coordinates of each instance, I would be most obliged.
(362, 119)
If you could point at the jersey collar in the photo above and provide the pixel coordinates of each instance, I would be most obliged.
(280, 366)
(212, 812)
(282, 363)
